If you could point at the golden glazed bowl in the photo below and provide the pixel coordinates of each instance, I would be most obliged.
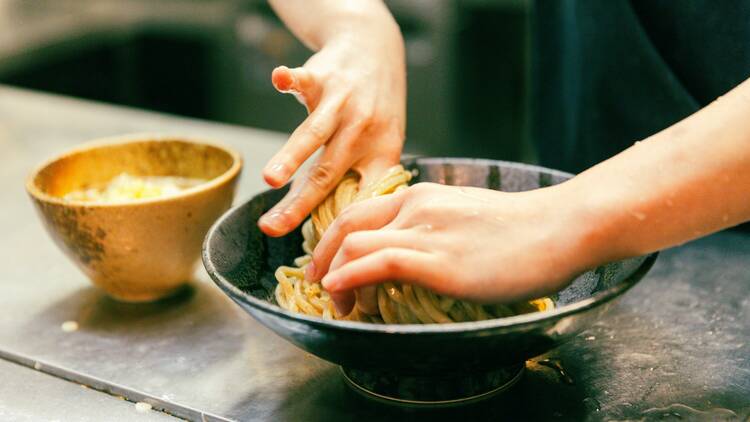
(142, 249)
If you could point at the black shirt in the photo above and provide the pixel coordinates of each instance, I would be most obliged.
(606, 73)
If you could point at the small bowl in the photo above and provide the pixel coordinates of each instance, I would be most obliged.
(414, 365)
(143, 249)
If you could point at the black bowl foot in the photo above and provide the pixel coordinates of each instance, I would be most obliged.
(432, 391)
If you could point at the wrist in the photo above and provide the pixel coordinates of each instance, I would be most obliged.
(585, 225)
(603, 216)
(364, 26)
(367, 40)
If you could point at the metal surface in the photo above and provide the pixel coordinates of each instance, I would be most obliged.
(682, 336)
(28, 395)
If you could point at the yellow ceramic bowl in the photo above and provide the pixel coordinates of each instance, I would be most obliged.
(143, 249)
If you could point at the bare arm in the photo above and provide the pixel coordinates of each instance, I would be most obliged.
(684, 182)
(316, 22)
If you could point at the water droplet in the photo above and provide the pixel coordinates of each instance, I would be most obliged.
(142, 407)
(556, 364)
(591, 338)
(592, 404)
(725, 218)
(639, 215)
(69, 326)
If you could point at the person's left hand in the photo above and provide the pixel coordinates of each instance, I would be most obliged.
(468, 243)
(355, 91)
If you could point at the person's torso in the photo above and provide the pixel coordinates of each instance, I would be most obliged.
(608, 73)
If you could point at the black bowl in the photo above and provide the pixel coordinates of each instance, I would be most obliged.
(436, 363)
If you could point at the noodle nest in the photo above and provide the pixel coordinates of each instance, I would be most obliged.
(397, 303)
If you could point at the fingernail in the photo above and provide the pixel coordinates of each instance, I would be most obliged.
(279, 169)
(272, 220)
(278, 172)
(282, 79)
(310, 271)
(328, 283)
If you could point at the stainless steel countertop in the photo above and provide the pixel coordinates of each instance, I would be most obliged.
(681, 337)
(28, 395)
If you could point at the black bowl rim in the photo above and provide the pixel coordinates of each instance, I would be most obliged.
(515, 321)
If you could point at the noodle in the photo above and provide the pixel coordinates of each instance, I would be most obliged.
(127, 187)
(397, 303)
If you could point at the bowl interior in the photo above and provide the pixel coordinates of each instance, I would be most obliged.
(98, 163)
(243, 257)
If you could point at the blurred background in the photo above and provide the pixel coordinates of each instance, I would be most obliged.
(212, 59)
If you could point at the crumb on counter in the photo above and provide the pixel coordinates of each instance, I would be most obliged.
(69, 326)
(142, 407)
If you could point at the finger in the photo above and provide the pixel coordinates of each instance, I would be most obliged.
(372, 167)
(359, 244)
(375, 169)
(343, 302)
(366, 215)
(319, 180)
(366, 300)
(387, 264)
(314, 132)
(298, 82)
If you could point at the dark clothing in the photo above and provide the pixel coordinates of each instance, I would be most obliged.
(606, 73)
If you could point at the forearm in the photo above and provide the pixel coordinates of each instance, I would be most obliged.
(316, 22)
(686, 181)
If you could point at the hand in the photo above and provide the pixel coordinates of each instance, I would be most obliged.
(468, 243)
(354, 89)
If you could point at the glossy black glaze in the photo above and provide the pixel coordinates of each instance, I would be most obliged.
(435, 389)
(241, 260)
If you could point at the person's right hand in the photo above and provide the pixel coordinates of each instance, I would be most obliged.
(354, 90)
(469, 243)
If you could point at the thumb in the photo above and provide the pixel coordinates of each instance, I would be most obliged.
(298, 82)
(374, 170)
(343, 303)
